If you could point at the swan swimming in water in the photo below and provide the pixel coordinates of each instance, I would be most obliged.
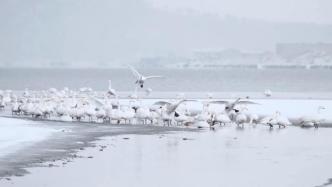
(140, 79)
(312, 121)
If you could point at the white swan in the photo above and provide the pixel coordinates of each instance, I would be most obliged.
(111, 91)
(16, 109)
(241, 118)
(268, 93)
(229, 106)
(221, 118)
(140, 79)
(143, 114)
(253, 118)
(276, 119)
(312, 121)
(91, 112)
(100, 114)
(183, 119)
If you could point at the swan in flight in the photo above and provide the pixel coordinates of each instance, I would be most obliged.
(140, 79)
(229, 106)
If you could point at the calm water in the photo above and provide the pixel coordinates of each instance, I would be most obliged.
(294, 80)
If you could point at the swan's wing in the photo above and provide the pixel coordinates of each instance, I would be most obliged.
(97, 102)
(161, 103)
(112, 92)
(266, 120)
(154, 76)
(171, 108)
(247, 102)
(135, 72)
(109, 85)
(219, 102)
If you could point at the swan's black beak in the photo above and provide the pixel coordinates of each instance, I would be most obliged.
(176, 114)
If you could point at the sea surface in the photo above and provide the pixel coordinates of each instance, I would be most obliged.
(185, 80)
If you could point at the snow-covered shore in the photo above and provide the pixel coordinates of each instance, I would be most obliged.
(227, 152)
(27, 143)
(15, 134)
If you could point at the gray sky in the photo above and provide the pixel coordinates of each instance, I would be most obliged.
(316, 11)
(102, 32)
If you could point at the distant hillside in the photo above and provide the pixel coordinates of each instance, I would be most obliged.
(107, 33)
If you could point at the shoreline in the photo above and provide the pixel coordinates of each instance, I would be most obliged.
(151, 159)
(70, 138)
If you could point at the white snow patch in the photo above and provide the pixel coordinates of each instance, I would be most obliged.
(16, 134)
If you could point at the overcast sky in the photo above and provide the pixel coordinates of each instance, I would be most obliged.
(112, 31)
(315, 11)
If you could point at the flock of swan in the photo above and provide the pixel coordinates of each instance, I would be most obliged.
(105, 107)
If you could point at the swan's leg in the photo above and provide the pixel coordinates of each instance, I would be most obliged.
(271, 126)
(316, 125)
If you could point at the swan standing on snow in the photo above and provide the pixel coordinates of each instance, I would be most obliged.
(140, 79)
(144, 115)
(183, 119)
(220, 118)
(312, 121)
(240, 117)
(253, 119)
(16, 109)
(167, 110)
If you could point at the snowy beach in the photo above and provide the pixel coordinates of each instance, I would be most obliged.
(66, 153)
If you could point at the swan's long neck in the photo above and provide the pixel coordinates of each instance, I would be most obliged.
(109, 84)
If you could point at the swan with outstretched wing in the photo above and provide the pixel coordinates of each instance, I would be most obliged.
(140, 79)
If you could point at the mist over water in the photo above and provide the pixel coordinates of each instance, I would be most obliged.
(185, 80)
